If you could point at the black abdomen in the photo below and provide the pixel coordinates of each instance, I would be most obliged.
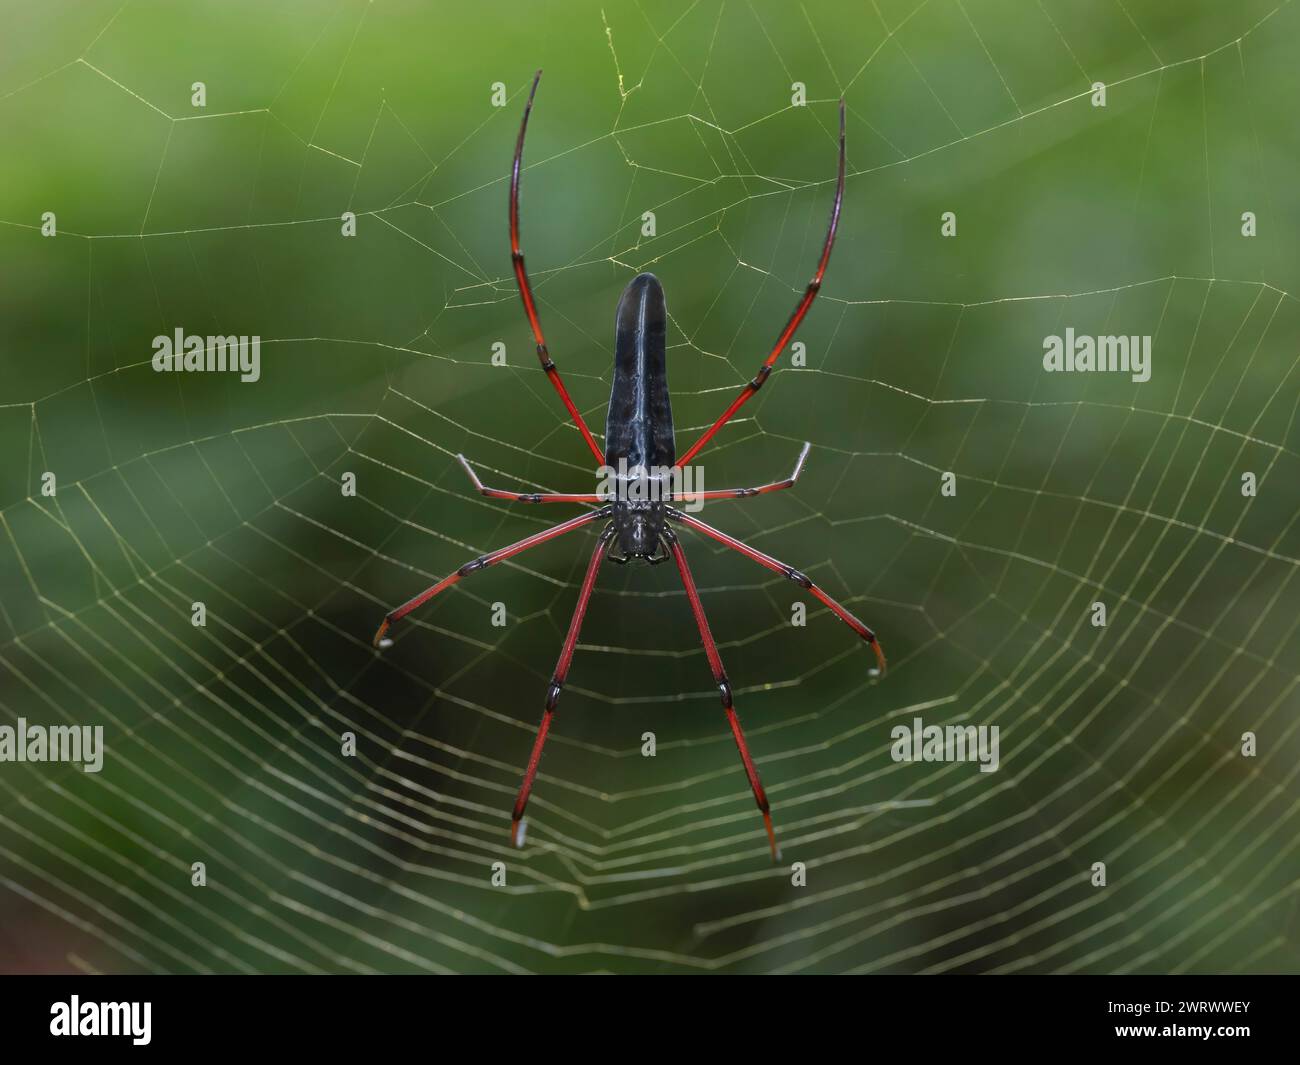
(639, 427)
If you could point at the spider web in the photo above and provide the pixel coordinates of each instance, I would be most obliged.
(1119, 744)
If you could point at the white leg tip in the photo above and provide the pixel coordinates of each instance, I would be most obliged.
(385, 643)
(521, 834)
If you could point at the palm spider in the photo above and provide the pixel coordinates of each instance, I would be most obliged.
(639, 435)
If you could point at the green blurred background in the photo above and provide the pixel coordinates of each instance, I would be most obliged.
(923, 356)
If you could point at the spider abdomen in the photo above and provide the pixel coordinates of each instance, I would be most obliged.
(639, 426)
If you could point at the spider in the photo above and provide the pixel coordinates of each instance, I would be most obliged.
(639, 525)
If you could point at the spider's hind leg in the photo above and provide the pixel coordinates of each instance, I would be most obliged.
(524, 497)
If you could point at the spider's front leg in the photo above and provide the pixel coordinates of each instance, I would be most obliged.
(482, 562)
(724, 687)
(789, 572)
(558, 678)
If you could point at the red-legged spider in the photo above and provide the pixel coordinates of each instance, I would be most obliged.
(639, 436)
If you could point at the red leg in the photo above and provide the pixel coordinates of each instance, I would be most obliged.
(526, 290)
(557, 684)
(745, 493)
(785, 571)
(724, 689)
(525, 497)
(482, 562)
(801, 309)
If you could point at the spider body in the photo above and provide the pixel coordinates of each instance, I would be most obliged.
(640, 448)
(639, 529)
(641, 454)
(639, 425)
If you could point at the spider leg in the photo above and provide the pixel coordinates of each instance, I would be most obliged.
(526, 289)
(557, 685)
(524, 497)
(724, 688)
(745, 493)
(786, 571)
(801, 309)
(482, 562)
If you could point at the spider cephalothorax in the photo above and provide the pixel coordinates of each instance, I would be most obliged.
(637, 513)
(639, 533)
